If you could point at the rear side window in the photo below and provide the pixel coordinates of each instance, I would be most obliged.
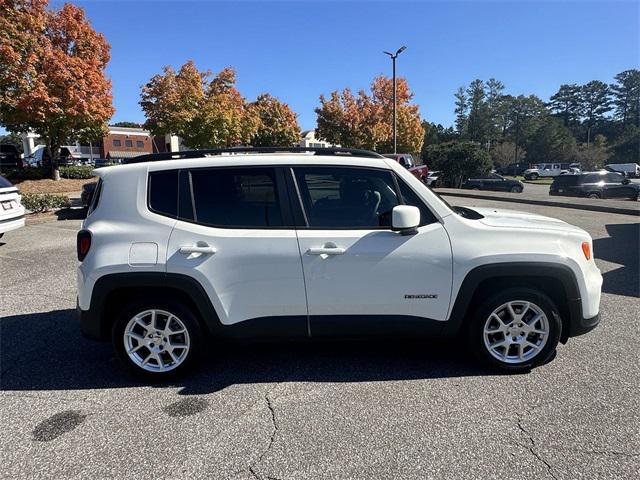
(236, 197)
(95, 199)
(593, 178)
(4, 183)
(566, 180)
(163, 193)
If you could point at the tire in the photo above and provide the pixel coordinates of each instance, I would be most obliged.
(534, 176)
(522, 351)
(164, 360)
(594, 195)
(1, 234)
(516, 189)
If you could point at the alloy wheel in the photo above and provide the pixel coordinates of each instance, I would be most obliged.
(516, 332)
(156, 340)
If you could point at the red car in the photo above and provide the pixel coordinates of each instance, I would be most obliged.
(406, 160)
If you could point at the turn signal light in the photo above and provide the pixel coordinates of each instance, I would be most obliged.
(586, 249)
(83, 243)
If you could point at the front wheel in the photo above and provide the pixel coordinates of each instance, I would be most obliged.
(516, 189)
(157, 339)
(516, 330)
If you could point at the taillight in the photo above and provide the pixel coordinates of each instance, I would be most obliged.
(83, 244)
(586, 249)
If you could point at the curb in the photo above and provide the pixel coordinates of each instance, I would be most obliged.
(635, 210)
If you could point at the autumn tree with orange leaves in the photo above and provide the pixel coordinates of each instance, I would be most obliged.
(365, 121)
(206, 110)
(52, 79)
(277, 124)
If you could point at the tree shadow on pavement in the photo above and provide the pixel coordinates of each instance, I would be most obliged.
(622, 247)
(45, 351)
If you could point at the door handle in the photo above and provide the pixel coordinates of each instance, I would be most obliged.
(206, 249)
(326, 251)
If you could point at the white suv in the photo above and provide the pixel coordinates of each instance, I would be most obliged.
(323, 243)
(11, 210)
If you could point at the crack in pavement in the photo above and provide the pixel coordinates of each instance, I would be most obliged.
(532, 451)
(272, 439)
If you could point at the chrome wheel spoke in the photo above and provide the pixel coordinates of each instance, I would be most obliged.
(138, 337)
(135, 349)
(139, 321)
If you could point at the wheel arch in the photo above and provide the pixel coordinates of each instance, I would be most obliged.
(111, 292)
(557, 281)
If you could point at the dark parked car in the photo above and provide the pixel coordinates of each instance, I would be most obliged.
(513, 169)
(494, 182)
(595, 185)
(9, 157)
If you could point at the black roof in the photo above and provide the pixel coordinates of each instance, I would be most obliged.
(337, 151)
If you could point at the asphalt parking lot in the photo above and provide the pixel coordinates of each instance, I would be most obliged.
(334, 410)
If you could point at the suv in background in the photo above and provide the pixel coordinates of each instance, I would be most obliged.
(601, 184)
(421, 172)
(493, 182)
(513, 169)
(10, 157)
(179, 254)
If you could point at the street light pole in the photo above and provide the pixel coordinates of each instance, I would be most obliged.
(395, 120)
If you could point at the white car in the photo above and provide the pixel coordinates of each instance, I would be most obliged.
(11, 210)
(179, 253)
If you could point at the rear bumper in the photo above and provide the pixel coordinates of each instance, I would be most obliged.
(7, 224)
(584, 325)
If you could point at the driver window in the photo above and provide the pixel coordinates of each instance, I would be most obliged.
(343, 197)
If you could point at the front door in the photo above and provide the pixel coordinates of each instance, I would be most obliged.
(236, 237)
(361, 277)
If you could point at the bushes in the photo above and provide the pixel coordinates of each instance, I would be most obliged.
(38, 203)
(39, 173)
(28, 173)
(80, 171)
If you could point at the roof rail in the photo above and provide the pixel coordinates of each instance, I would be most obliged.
(338, 151)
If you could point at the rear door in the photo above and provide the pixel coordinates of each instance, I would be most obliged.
(361, 277)
(235, 235)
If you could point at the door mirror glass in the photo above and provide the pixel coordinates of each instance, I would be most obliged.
(405, 219)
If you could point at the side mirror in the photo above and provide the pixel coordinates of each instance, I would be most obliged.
(405, 219)
(626, 181)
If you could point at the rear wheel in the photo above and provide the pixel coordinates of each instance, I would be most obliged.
(533, 176)
(516, 189)
(594, 195)
(516, 330)
(157, 339)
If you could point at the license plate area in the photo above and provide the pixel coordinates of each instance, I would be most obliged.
(8, 205)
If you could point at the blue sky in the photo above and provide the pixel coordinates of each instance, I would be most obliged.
(297, 50)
